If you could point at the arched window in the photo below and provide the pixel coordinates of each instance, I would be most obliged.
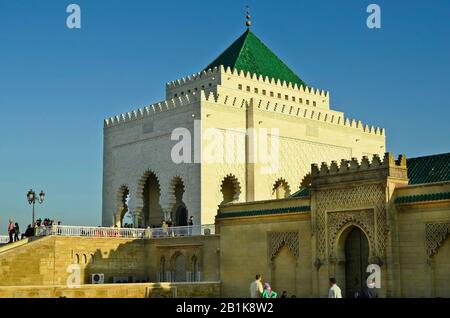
(123, 214)
(281, 189)
(306, 181)
(230, 189)
(195, 269)
(180, 268)
(152, 212)
(162, 270)
(179, 212)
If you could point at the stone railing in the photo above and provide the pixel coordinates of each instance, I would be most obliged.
(74, 231)
(86, 231)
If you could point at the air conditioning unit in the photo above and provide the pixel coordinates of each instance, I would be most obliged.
(97, 278)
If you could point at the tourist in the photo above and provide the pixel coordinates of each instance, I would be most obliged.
(256, 287)
(11, 231)
(59, 227)
(16, 232)
(29, 232)
(148, 232)
(191, 224)
(268, 292)
(335, 291)
(170, 225)
(42, 229)
(284, 294)
(165, 228)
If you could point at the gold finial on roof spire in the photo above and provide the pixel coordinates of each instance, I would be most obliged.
(248, 17)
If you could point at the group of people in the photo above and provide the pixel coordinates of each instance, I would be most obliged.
(39, 228)
(13, 231)
(368, 291)
(260, 290)
(167, 224)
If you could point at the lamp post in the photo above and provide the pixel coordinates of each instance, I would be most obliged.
(32, 199)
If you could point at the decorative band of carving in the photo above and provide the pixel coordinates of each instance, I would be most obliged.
(435, 235)
(279, 239)
(338, 220)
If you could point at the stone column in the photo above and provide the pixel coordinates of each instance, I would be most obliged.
(167, 199)
(136, 206)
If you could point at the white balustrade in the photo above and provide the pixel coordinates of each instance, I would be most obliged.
(88, 231)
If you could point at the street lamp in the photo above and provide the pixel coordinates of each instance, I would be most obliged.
(32, 199)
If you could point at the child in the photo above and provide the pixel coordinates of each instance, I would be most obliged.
(268, 292)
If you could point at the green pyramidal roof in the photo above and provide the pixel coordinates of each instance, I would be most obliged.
(248, 53)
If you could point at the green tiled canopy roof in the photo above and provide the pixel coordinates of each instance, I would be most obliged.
(250, 54)
(429, 169)
(302, 193)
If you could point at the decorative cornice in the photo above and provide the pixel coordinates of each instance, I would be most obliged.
(423, 198)
(289, 210)
(353, 165)
(248, 76)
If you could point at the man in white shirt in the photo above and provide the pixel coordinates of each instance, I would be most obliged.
(335, 291)
(256, 287)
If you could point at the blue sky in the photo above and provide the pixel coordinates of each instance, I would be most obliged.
(57, 85)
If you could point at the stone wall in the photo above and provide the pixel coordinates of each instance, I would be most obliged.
(424, 243)
(203, 251)
(165, 290)
(139, 141)
(276, 246)
(46, 261)
(28, 263)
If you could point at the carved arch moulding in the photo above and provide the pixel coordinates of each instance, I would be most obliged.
(435, 235)
(277, 240)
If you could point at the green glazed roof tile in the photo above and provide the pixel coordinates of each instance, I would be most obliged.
(429, 169)
(302, 193)
(423, 198)
(264, 212)
(249, 54)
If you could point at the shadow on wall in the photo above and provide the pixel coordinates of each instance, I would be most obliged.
(125, 264)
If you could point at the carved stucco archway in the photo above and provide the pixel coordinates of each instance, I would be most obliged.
(341, 237)
(176, 182)
(336, 208)
(435, 235)
(306, 181)
(138, 213)
(176, 203)
(230, 189)
(277, 240)
(122, 208)
(341, 267)
(340, 222)
(284, 185)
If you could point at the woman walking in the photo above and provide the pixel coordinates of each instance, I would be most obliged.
(16, 232)
(11, 231)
